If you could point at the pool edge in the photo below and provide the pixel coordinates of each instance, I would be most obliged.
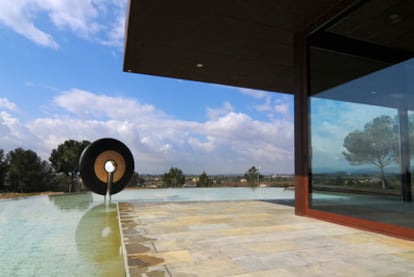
(124, 252)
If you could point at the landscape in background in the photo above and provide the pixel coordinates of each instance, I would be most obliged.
(62, 80)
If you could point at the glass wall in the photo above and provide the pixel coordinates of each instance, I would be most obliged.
(358, 162)
(361, 97)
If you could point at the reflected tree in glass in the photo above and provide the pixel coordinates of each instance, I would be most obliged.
(376, 144)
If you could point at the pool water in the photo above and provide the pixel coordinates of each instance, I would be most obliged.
(67, 235)
(77, 235)
(203, 194)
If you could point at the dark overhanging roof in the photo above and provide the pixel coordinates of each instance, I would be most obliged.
(232, 42)
(373, 40)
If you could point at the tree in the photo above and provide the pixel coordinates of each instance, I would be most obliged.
(173, 178)
(66, 158)
(27, 172)
(204, 180)
(253, 176)
(136, 180)
(377, 144)
(3, 169)
(141, 180)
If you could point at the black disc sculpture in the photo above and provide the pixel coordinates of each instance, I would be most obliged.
(106, 166)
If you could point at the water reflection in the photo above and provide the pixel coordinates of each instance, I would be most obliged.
(79, 201)
(65, 235)
(97, 234)
(76, 235)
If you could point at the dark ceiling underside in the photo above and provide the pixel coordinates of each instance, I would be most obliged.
(233, 42)
(373, 36)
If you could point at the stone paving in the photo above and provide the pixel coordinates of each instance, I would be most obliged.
(252, 238)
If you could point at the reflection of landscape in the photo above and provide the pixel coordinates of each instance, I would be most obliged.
(379, 146)
(79, 201)
(359, 183)
(378, 185)
(98, 238)
(363, 148)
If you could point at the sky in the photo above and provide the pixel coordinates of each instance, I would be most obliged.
(61, 78)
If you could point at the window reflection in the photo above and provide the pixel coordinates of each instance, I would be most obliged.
(362, 147)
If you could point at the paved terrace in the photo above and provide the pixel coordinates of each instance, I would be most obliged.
(252, 238)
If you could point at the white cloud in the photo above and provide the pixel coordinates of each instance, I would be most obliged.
(166, 148)
(7, 104)
(95, 20)
(115, 32)
(282, 108)
(79, 16)
(266, 106)
(217, 112)
(18, 16)
(8, 120)
(14, 134)
(258, 94)
(275, 105)
(207, 146)
(146, 140)
(85, 104)
(227, 142)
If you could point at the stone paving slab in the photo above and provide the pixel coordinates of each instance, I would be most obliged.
(252, 238)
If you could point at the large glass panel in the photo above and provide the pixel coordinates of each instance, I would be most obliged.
(361, 134)
(411, 139)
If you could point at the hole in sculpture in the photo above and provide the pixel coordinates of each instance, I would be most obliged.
(110, 166)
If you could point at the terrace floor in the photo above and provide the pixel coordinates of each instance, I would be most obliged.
(251, 238)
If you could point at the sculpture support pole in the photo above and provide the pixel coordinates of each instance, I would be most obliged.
(110, 168)
(109, 185)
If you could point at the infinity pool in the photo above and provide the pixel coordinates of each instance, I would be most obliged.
(77, 235)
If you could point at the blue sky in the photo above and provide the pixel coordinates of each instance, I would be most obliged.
(61, 78)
